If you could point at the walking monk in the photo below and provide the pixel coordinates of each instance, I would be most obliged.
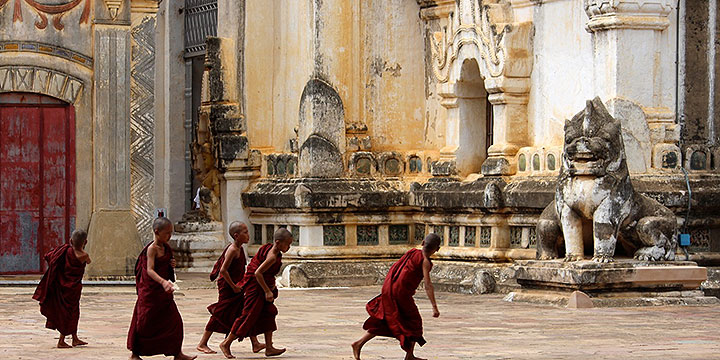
(231, 269)
(259, 312)
(393, 313)
(60, 288)
(156, 326)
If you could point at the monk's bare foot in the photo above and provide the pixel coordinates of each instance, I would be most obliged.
(356, 350)
(225, 348)
(205, 349)
(63, 345)
(271, 351)
(78, 342)
(411, 357)
(135, 357)
(256, 348)
(182, 356)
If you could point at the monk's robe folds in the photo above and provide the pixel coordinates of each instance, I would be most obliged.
(156, 326)
(258, 315)
(230, 304)
(393, 313)
(60, 288)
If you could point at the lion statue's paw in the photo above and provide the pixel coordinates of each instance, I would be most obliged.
(603, 258)
(573, 257)
(546, 257)
(650, 253)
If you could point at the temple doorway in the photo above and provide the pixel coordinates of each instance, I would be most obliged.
(37, 179)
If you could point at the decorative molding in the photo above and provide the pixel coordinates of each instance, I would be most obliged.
(144, 6)
(628, 14)
(142, 126)
(113, 7)
(40, 80)
(57, 11)
(472, 23)
(47, 49)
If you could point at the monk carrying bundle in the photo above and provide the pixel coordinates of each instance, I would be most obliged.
(393, 313)
(60, 288)
(259, 312)
(156, 326)
(230, 268)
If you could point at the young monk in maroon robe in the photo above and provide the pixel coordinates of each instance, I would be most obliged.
(231, 269)
(61, 286)
(259, 312)
(393, 313)
(156, 326)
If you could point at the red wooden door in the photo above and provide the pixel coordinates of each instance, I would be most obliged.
(37, 179)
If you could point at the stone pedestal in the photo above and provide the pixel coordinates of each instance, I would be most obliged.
(196, 245)
(621, 283)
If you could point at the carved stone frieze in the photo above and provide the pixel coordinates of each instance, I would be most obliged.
(40, 80)
(482, 24)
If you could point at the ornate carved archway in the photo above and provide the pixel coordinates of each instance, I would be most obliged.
(39, 80)
(485, 30)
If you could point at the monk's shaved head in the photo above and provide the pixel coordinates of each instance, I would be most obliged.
(432, 242)
(282, 234)
(78, 237)
(160, 223)
(236, 226)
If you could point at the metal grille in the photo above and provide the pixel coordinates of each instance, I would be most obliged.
(200, 22)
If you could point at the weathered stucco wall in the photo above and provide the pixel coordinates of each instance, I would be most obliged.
(23, 44)
(562, 77)
(369, 52)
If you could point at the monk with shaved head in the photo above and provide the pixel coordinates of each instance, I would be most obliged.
(259, 312)
(229, 270)
(393, 313)
(156, 326)
(60, 288)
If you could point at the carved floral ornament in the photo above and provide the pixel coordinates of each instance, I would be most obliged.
(43, 10)
(484, 25)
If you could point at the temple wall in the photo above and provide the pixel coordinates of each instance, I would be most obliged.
(29, 48)
(102, 57)
(412, 83)
(562, 70)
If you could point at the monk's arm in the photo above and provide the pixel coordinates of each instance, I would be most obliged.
(86, 258)
(230, 255)
(151, 253)
(269, 261)
(429, 289)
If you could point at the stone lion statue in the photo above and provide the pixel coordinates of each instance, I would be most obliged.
(594, 188)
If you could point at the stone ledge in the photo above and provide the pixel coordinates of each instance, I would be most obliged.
(623, 299)
(517, 194)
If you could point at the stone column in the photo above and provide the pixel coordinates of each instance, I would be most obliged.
(113, 238)
(629, 41)
(509, 98)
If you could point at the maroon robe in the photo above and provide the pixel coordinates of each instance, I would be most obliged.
(230, 304)
(258, 315)
(393, 313)
(60, 288)
(156, 326)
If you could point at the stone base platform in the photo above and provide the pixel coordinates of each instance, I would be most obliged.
(620, 283)
(196, 246)
(448, 276)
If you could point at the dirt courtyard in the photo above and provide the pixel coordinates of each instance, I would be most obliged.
(321, 324)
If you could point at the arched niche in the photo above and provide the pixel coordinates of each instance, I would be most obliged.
(472, 114)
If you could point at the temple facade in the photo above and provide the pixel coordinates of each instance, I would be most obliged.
(361, 126)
